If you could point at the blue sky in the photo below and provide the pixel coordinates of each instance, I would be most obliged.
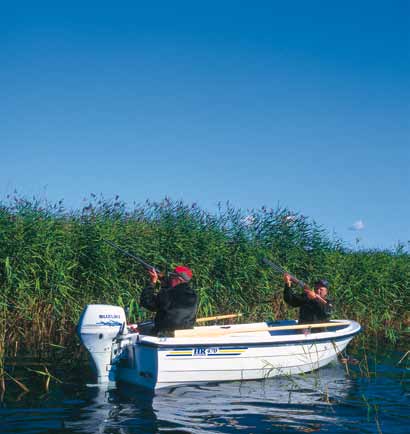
(302, 104)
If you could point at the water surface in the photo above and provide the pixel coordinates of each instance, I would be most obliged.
(372, 397)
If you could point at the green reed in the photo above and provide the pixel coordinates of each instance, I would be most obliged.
(53, 262)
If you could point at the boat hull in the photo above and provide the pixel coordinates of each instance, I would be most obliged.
(152, 363)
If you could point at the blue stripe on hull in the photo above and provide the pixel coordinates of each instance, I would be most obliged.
(224, 354)
(179, 355)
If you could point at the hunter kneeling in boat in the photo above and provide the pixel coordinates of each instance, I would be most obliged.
(175, 304)
(314, 305)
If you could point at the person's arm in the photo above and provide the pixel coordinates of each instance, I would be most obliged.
(294, 300)
(148, 298)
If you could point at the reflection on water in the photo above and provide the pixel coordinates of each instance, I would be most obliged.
(324, 401)
(224, 407)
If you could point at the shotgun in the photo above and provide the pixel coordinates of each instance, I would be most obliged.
(294, 279)
(135, 257)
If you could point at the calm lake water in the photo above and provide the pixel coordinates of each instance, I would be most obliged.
(374, 397)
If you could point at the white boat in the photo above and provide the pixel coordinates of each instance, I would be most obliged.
(210, 353)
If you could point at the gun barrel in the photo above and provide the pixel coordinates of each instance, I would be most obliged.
(279, 269)
(131, 255)
(274, 266)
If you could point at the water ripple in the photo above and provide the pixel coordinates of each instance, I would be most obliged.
(323, 401)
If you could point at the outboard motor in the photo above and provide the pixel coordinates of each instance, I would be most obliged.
(99, 324)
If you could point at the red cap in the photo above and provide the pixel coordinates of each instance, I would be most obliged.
(184, 272)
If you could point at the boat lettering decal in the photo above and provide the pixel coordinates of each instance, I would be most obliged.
(109, 323)
(207, 351)
(109, 316)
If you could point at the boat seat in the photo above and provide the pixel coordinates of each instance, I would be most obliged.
(285, 322)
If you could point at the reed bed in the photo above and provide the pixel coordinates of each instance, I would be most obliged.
(53, 262)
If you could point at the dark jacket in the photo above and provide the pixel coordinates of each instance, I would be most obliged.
(175, 307)
(311, 311)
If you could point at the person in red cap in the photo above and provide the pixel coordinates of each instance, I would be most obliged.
(175, 304)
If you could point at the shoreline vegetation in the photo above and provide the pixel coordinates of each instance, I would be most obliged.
(53, 262)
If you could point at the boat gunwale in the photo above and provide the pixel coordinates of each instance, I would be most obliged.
(267, 342)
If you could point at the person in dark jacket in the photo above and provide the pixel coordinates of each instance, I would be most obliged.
(175, 304)
(314, 306)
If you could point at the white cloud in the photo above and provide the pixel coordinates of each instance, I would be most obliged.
(357, 226)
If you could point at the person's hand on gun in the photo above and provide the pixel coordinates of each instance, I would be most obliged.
(311, 295)
(153, 276)
(287, 279)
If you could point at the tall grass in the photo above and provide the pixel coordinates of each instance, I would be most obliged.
(53, 262)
